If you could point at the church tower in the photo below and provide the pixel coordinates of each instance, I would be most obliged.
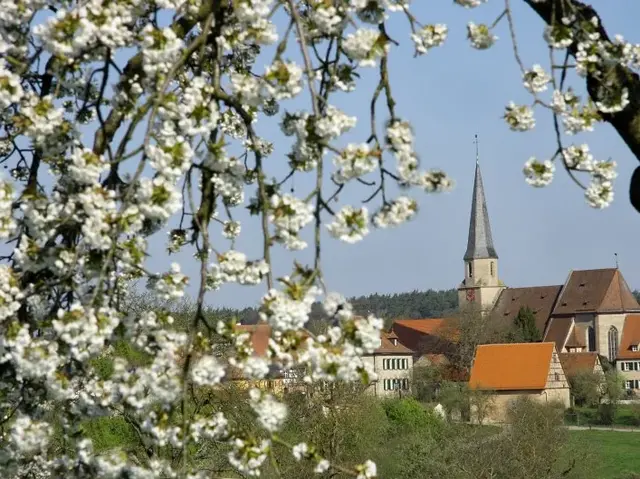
(481, 285)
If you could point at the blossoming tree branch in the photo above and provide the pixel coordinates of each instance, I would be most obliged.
(121, 119)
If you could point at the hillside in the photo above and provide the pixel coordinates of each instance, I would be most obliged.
(416, 304)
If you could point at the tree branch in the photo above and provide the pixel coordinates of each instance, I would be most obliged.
(625, 122)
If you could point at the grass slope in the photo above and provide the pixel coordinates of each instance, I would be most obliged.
(615, 455)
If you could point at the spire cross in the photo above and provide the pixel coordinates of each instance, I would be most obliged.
(475, 140)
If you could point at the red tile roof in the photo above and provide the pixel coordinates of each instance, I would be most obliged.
(595, 290)
(630, 337)
(387, 346)
(540, 299)
(512, 367)
(574, 363)
(577, 336)
(260, 334)
(558, 332)
(434, 336)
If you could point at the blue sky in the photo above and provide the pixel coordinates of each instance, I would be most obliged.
(449, 95)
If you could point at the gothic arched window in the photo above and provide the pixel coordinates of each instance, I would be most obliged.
(493, 271)
(470, 269)
(591, 338)
(613, 343)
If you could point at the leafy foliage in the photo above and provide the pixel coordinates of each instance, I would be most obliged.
(525, 329)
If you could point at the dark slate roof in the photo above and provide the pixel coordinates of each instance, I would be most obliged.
(596, 291)
(558, 332)
(480, 244)
(540, 299)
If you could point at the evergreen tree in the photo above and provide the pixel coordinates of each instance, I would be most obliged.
(525, 326)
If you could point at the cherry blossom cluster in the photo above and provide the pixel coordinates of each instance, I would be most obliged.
(122, 122)
(597, 57)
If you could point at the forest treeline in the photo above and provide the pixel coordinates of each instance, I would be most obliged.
(416, 304)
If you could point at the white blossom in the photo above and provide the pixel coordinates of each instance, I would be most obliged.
(469, 3)
(368, 470)
(395, 213)
(300, 451)
(11, 91)
(207, 371)
(480, 36)
(519, 117)
(429, 36)
(322, 466)
(536, 80)
(271, 413)
(365, 46)
(538, 173)
(599, 194)
(578, 157)
(350, 224)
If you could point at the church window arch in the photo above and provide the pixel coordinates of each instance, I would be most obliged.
(591, 338)
(470, 269)
(613, 343)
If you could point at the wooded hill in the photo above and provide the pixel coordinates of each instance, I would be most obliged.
(416, 304)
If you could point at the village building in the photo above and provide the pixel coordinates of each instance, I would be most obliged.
(521, 370)
(426, 336)
(591, 312)
(391, 361)
(393, 364)
(586, 313)
(628, 363)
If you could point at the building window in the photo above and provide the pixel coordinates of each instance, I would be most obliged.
(630, 366)
(493, 271)
(613, 343)
(634, 348)
(591, 338)
(557, 376)
(470, 269)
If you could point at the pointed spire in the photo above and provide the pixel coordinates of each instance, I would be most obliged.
(480, 244)
(477, 154)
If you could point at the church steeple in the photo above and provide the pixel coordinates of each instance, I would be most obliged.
(480, 243)
(481, 285)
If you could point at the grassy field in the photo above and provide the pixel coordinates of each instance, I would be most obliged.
(616, 455)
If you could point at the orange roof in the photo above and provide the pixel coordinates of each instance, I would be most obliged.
(630, 337)
(435, 335)
(574, 363)
(429, 326)
(260, 334)
(514, 367)
(387, 346)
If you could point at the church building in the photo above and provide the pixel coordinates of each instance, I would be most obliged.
(591, 312)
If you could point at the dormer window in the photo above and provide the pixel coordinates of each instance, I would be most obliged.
(634, 347)
(394, 341)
